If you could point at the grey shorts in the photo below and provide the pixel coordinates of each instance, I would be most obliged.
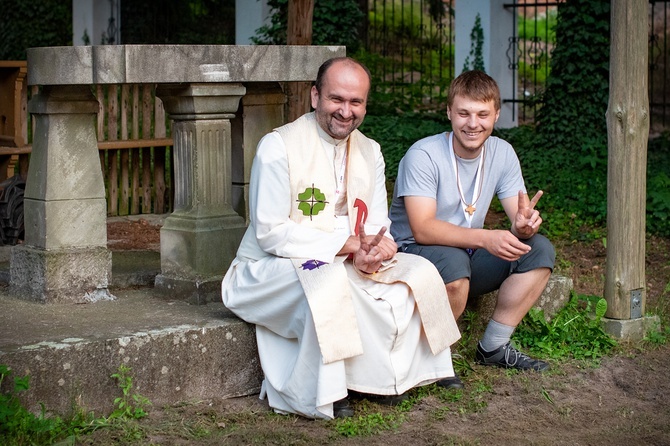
(485, 271)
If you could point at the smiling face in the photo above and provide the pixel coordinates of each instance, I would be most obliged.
(340, 105)
(472, 122)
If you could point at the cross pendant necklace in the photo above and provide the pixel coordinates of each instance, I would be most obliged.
(469, 208)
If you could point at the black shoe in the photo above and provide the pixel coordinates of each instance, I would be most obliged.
(509, 357)
(384, 400)
(342, 409)
(453, 382)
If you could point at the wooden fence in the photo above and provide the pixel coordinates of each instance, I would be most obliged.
(133, 140)
(135, 152)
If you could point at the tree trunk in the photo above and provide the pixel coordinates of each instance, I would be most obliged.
(628, 133)
(300, 14)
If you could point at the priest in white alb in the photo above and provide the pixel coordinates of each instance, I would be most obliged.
(337, 309)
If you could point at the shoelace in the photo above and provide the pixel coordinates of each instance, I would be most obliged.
(518, 356)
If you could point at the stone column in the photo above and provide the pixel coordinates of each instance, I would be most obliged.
(65, 256)
(262, 111)
(200, 238)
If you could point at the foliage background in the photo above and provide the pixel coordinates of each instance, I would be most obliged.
(564, 153)
(28, 23)
(334, 23)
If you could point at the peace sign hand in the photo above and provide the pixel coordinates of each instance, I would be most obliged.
(527, 221)
(369, 256)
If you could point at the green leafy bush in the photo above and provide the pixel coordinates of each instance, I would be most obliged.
(567, 156)
(397, 133)
(575, 332)
(27, 23)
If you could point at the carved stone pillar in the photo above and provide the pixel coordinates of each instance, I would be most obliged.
(65, 256)
(262, 110)
(200, 238)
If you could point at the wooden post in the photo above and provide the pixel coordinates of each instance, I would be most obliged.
(627, 132)
(299, 32)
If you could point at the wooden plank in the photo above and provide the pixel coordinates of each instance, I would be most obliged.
(124, 154)
(146, 181)
(112, 113)
(134, 143)
(113, 156)
(136, 112)
(113, 202)
(102, 145)
(159, 180)
(100, 94)
(125, 93)
(16, 150)
(135, 185)
(147, 111)
(135, 155)
(125, 182)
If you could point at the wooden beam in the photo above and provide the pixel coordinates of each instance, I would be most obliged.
(299, 32)
(627, 133)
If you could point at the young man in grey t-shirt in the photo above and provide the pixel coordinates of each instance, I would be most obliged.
(443, 191)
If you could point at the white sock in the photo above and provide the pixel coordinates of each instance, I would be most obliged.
(496, 335)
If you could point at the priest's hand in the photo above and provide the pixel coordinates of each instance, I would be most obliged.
(371, 252)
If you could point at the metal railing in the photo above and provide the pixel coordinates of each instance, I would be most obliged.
(409, 50)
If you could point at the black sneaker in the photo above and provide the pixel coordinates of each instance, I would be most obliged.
(509, 357)
(342, 409)
(453, 382)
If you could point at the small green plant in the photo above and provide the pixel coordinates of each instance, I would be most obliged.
(128, 406)
(17, 424)
(575, 332)
(476, 47)
(368, 424)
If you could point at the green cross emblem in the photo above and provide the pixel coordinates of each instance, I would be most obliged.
(312, 201)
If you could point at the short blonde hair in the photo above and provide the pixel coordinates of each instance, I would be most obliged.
(475, 85)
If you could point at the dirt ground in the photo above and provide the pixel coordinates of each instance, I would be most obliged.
(624, 400)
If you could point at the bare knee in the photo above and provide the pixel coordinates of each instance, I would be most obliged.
(457, 291)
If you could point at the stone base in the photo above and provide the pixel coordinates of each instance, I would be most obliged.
(61, 276)
(551, 301)
(194, 291)
(631, 329)
(195, 246)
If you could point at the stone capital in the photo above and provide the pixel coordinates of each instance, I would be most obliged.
(201, 101)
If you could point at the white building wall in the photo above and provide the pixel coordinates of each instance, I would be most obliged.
(249, 16)
(498, 25)
(91, 17)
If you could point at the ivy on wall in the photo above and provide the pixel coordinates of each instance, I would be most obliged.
(567, 157)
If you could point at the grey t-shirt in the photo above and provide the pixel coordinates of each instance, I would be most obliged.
(427, 170)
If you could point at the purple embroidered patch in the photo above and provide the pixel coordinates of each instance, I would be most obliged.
(312, 264)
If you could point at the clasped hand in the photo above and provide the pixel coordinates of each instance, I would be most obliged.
(372, 251)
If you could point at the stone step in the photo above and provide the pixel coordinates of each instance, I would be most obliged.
(176, 351)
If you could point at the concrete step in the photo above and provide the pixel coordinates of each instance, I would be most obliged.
(176, 351)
